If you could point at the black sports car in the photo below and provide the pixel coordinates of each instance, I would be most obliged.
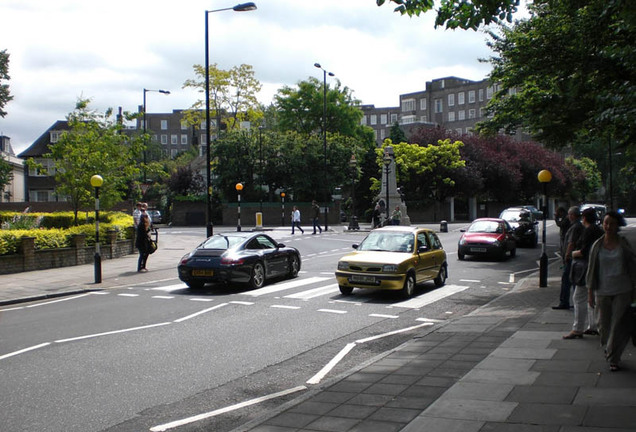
(241, 257)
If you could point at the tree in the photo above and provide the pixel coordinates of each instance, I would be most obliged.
(465, 14)
(94, 144)
(5, 96)
(396, 134)
(567, 73)
(231, 91)
(6, 174)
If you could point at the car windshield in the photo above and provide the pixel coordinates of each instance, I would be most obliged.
(221, 242)
(486, 227)
(515, 216)
(388, 242)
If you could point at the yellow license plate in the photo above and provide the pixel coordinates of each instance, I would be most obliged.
(202, 272)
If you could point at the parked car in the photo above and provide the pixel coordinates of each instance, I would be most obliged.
(600, 211)
(155, 216)
(524, 223)
(487, 236)
(538, 214)
(394, 258)
(241, 257)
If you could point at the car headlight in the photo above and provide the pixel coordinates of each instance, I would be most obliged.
(462, 241)
(496, 243)
(343, 265)
(390, 268)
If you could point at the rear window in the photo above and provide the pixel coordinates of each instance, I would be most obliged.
(221, 242)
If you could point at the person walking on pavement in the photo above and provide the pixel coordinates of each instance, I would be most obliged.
(296, 220)
(137, 214)
(611, 282)
(571, 238)
(142, 241)
(582, 311)
(316, 209)
(375, 218)
(396, 216)
(563, 222)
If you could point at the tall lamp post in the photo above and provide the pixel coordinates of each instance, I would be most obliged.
(324, 135)
(387, 171)
(353, 165)
(282, 201)
(243, 7)
(544, 177)
(166, 92)
(260, 165)
(97, 181)
(239, 188)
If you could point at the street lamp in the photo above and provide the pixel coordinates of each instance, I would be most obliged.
(324, 134)
(97, 181)
(544, 177)
(260, 165)
(243, 7)
(353, 222)
(239, 188)
(166, 92)
(387, 171)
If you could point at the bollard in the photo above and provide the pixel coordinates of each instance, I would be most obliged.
(443, 226)
(259, 220)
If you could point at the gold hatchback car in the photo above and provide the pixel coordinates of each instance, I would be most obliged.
(394, 258)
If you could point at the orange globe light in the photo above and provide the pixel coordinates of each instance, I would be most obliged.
(544, 176)
(239, 187)
(282, 194)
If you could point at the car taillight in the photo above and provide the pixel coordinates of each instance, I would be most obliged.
(232, 261)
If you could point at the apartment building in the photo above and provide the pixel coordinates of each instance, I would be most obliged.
(14, 191)
(455, 104)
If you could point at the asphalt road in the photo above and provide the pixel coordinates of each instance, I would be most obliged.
(133, 358)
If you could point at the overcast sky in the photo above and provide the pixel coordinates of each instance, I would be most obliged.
(110, 51)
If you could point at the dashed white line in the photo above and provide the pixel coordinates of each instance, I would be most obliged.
(384, 316)
(111, 332)
(163, 297)
(200, 313)
(284, 307)
(332, 311)
(329, 366)
(22, 351)
(128, 295)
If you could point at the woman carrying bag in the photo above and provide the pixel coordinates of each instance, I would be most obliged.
(143, 242)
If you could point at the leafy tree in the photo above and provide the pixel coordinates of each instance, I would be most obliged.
(396, 134)
(5, 96)
(567, 73)
(94, 144)
(231, 91)
(465, 14)
(6, 174)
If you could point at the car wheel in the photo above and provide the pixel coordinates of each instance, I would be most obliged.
(440, 280)
(460, 256)
(294, 266)
(195, 285)
(258, 276)
(345, 290)
(513, 252)
(409, 286)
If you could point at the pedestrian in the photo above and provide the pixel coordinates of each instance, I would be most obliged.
(571, 238)
(396, 216)
(136, 214)
(563, 222)
(375, 218)
(142, 242)
(582, 311)
(316, 210)
(296, 220)
(611, 283)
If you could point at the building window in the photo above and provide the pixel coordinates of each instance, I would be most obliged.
(408, 105)
(184, 139)
(408, 119)
(203, 125)
(481, 95)
(203, 139)
(174, 140)
(451, 99)
(489, 91)
(512, 91)
(459, 131)
(173, 153)
(164, 139)
(363, 121)
(481, 112)
(460, 98)
(55, 136)
(184, 125)
(439, 105)
(383, 119)
(41, 195)
(451, 116)
(424, 118)
(471, 96)
(374, 119)
(423, 104)
(164, 124)
(382, 134)
(461, 115)
(394, 118)
(471, 113)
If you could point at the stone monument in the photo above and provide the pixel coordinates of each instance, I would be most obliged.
(389, 193)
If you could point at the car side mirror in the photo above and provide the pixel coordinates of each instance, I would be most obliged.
(462, 230)
(355, 246)
(280, 245)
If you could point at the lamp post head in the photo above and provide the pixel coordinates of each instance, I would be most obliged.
(244, 7)
(282, 194)
(544, 176)
(97, 181)
(318, 65)
(239, 187)
(167, 92)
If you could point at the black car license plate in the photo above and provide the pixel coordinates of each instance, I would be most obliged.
(202, 272)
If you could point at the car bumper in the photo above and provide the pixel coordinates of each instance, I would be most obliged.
(227, 275)
(372, 281)
(480, 250)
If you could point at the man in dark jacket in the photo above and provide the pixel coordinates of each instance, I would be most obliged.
(316, 213)
(569, 244)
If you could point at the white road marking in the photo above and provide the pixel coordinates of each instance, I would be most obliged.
(200, 313)
(170, 287)
(128, 295)
(111, 332)
(196, 418)
(429, 320)
(383, 335)
(332, 311)
(22, 351)
(284, 286)
(316, 292)
(58, 301)
(384, 316)
(163, 297)
(284, 307)
(329, 366)
(470, 280)
(431, 297)
(243, 303)
(201, 299)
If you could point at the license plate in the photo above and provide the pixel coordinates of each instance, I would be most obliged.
(202, 272)
(478, 249)
(363, 279)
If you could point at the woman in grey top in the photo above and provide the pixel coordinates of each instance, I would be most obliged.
(611, 279)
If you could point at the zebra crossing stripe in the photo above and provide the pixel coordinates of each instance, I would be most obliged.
(316, 292)
(285, 286)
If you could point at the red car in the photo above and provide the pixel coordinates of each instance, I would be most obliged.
(487, 236)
